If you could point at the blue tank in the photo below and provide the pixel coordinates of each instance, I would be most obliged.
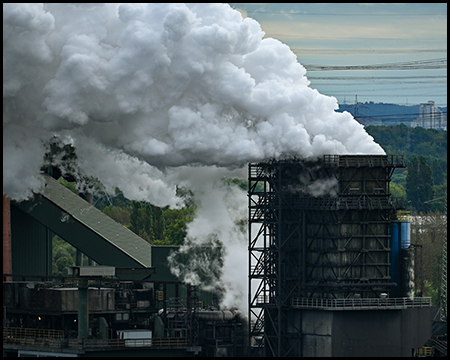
(395, 257)
(405, 234)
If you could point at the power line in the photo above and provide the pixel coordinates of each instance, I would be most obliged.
(363, 51)
(382, 85)
(333, 14)
(405, 81)
(376, 77)
(351, 38)
(439, 63)
(383, 95)
(404, 115)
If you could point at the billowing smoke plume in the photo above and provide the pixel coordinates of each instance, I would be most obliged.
(148, 93)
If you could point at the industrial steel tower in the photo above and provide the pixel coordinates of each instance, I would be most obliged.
(319, 235)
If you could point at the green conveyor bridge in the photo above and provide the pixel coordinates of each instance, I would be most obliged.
(86, 228)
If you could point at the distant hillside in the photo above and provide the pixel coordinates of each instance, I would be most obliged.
(370, 113)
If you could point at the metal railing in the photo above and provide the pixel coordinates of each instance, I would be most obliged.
(361, 304)
(117, 343)
(360, 202)
(32, 337)
(364, 160)
(55, 339)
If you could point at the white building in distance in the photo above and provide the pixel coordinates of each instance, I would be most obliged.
(430, 117)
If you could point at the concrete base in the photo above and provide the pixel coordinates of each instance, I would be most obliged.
(365, 332)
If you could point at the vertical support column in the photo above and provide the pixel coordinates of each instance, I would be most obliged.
(78, 258)
(7, 264)
(49, 250)
(83, 309)
(279, 276)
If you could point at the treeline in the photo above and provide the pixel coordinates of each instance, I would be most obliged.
(159, 226)
(424, 181)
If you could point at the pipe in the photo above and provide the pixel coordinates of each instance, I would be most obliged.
(217, 315)
(83, 308)
(227, 315)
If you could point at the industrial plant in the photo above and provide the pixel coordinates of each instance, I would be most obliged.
(330, 274)
(331, 263)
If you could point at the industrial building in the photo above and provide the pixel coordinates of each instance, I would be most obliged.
(330, 274)
(129, 304)
(330, 269)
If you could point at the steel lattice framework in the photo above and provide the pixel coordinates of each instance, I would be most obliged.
(317, 229)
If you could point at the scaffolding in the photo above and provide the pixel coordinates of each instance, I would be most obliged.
(317, 230)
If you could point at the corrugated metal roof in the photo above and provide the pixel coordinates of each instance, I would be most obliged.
(87, 214)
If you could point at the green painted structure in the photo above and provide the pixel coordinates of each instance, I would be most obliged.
(82, 225)
(57, 210)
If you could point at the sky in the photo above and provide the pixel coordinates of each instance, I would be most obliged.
(325, 35)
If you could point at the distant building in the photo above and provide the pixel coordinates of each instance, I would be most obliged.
(430, 117)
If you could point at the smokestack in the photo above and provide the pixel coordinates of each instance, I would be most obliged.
(7, 267)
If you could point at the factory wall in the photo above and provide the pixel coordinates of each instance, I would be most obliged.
(31, 245)
(381, 332)
(365, 333)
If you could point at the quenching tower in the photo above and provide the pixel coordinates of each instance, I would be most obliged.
(319, 231)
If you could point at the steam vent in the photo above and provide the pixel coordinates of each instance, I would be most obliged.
(319, 239)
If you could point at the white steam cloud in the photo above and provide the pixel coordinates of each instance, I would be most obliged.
(146, 91)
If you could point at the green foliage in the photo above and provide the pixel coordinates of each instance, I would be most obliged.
(121, 215)
(141, 220)
(241, 183)
(187, 195)
(430, 232)
(419, 183)
(60, 159)
(397, 190)
(70, 185)
(431, 289)
(428, 145)
(102, 200)
(160, 226)
(176, 225)
(399, 178)
(63, 256)
(62, 265)
(439, 169)
(440, 199)
(159, 222)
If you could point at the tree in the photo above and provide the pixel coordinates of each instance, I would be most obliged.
(119, 214)
(141, 220)
(429, 231)
(63, 256)
(158, 222)
(439, 174)
(61, 267)
(397, 190)
(419, 183)
(176, 221)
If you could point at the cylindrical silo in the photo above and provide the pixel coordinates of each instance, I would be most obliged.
(395, 257)
(405, 231)
(402, 256)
